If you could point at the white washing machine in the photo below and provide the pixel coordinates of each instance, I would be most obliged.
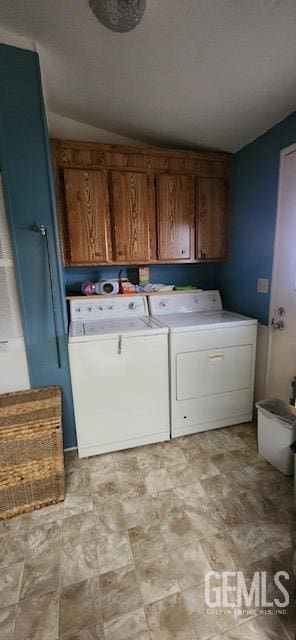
(212, 361)
(119, 372)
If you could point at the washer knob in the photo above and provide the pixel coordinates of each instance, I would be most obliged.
(163, 303)
(132, 305)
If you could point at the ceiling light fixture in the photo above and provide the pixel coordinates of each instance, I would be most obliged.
(118, 15)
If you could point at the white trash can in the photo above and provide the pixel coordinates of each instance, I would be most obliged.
(276, 433)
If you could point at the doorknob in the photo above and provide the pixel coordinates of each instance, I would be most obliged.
(281, 311)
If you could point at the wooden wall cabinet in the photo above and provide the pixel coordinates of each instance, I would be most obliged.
(212, 219)
(134, 216)
(127, 205)
(176, 217)
(88, 216)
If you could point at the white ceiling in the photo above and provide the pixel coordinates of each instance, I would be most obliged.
(200, 73)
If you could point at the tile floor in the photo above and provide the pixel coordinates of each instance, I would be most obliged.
(124, 558)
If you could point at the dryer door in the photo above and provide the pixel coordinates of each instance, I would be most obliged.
(213, 371)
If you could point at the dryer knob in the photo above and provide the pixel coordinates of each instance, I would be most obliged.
(163, 303)
(132, 305)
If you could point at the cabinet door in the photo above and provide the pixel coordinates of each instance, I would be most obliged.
(176, 213)
(134, 211)
(212, 216)
(88, 216)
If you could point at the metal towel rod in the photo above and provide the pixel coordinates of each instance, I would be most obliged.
(43, 232)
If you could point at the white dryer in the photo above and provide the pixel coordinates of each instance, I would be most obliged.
(212, 361)
(119, 372)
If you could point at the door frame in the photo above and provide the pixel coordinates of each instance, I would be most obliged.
(284, 152)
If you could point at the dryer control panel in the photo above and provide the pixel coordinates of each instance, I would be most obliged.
(185, 302)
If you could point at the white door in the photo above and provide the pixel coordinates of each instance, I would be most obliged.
(14, 374)
(282, 325)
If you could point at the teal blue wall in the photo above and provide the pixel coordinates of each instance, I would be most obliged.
(25, 166)
(256, 169)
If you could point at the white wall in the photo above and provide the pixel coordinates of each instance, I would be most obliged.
(14, 374)
(14, 40)
(61, 127)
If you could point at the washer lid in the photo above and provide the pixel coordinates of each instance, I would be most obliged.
(179, 322)
(107, 329)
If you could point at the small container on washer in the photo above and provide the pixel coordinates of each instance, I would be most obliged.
(107, 287)
(88, 288)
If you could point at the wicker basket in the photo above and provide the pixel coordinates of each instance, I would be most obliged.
(31, 450)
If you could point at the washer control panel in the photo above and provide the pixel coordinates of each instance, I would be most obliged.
(113, 307)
